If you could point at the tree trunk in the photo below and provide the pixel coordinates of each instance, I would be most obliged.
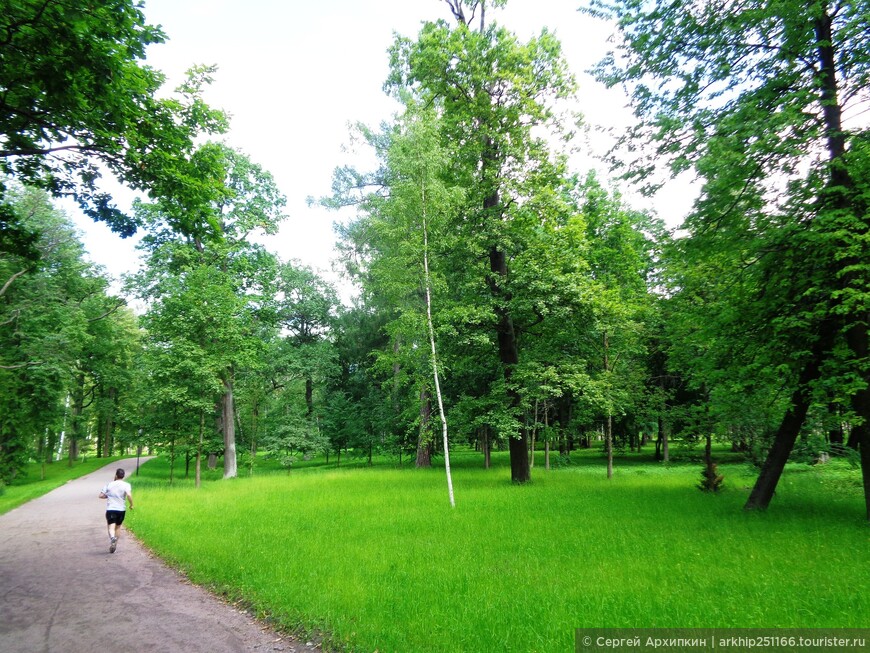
(836, 434)
(431, 326)
(843, 196)
(172, 460)
(547, 439)
(564, 418)
(856, 337)
(199, 448)
(255, 428)
(608, 426)
(788, 430)
(608, 445)
(75, 423)
(229, 426)
(519, 455)
(533, 438)
(487, 448)
(424, 443)
(309, 397)
(508, 351)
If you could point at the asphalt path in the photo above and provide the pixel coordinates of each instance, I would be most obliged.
(61, 591)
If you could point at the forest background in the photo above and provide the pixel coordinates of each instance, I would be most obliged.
(564, 316)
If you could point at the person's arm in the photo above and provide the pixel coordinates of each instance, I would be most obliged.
(103, 492)
(130, 500)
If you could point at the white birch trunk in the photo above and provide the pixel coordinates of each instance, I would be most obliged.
(434, 355)
(230, 468)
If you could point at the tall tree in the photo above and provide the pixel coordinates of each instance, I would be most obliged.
(757, 98)
(493, 95)
(229, 199)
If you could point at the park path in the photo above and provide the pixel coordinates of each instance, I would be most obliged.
(61, 591)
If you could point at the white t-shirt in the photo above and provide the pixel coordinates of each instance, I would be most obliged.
(115, 492)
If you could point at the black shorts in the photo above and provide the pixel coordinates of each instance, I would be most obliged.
(115, 516)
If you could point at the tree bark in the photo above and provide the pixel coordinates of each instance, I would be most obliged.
(842, 196)
(199, 448)
(547, 440)
(424, 444)
(786, 434)
(564, 418)
(508, 351)
(309, 397)
(533, 438)
(857, 339)
(229, 427)
(76, 410)
(608, 433)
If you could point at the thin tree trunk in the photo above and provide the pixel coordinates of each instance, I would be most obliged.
(428, 285)
(608, 430)
(547, 439)
(172, 460)
(856, 337)
(534, 438)
(229, 424)
(199, 448)
(608, 444)
(424, 446)
(77, 408)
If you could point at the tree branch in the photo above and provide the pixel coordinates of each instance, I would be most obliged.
(43, 151)
(9, 282)
(120, 303)
(20, 365)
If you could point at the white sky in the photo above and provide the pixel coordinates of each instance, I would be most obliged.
(293, 75)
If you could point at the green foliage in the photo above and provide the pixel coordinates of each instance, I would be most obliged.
(211, 293)
(771, 291)
(59, 331)
(77, 100)
(711, 479)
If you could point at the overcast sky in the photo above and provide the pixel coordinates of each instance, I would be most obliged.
(293, 75)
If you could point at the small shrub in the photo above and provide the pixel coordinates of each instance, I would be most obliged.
(711, 479)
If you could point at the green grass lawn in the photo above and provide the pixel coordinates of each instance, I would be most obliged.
(31, 483)
(377, 560)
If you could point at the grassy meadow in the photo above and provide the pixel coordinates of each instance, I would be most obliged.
(38, 479)
(375, 558)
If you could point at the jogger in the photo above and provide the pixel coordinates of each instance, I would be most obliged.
(118, 495)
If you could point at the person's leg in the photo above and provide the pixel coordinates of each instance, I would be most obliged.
(119, 519)
(112, 517)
